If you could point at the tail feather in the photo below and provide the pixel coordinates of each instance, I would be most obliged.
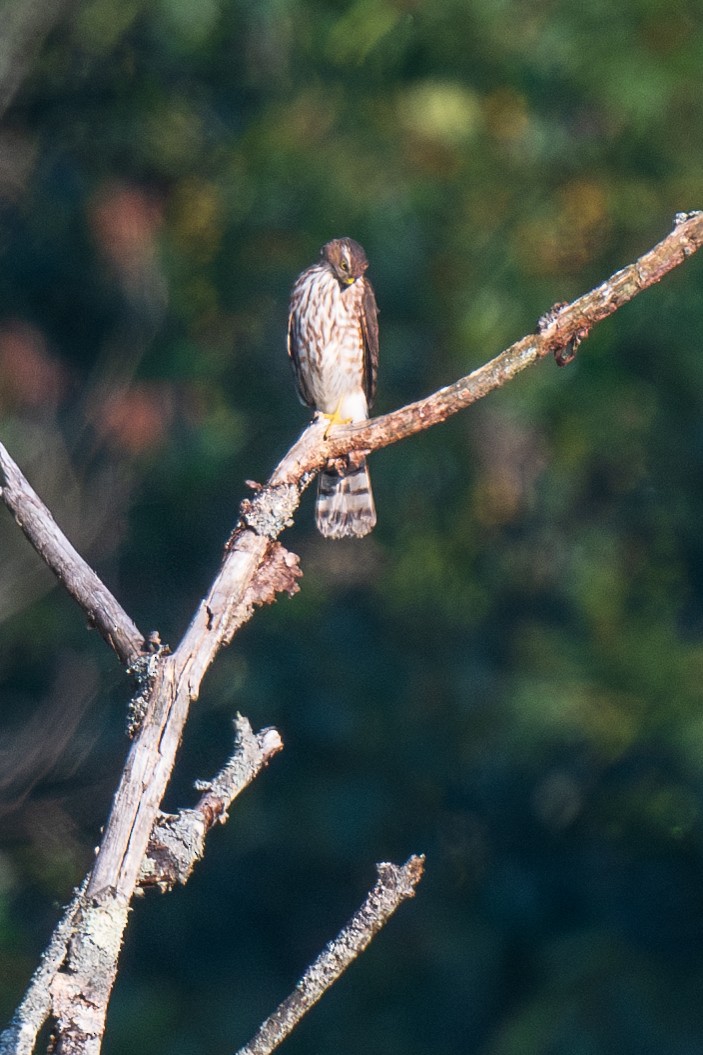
(345, 505)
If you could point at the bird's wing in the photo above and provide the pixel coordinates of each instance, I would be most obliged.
(369, 330)
(294, 355)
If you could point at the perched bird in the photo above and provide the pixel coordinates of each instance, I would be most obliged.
(333, 346)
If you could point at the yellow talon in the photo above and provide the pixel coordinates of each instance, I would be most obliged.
(335, 418)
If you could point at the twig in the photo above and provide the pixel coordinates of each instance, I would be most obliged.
(79, 579)
(178, 840)
(395, 883)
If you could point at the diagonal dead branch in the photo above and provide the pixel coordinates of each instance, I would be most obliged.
(79, 579)
(571, 321)
(395, 883)
(178, 840)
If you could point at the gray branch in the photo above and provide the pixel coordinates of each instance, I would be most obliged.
(395, 883)
(178, 840)
(79, 579)
(21, 1034)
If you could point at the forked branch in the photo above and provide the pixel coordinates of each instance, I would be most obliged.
(177, 841)
(254, 569)
(273, 507)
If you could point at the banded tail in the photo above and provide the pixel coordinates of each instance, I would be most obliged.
(345, 505)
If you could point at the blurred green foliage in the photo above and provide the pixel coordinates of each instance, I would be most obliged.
(507, 674)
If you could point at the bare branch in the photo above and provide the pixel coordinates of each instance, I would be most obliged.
(395, 883)
(79, 997)
(569, 322)
(178, 840)
(81, 974)
(79, 579)
(20, 1036)
(85, 982)
(245, 580)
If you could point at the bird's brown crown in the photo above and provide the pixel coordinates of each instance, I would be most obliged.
(346, 258)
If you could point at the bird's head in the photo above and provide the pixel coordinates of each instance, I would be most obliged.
(346, 259)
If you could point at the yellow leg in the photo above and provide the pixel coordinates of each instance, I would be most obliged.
(335, 418)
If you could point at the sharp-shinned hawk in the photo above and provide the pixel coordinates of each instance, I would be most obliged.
(333, 346)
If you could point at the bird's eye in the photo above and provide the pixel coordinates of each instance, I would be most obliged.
(344, 265)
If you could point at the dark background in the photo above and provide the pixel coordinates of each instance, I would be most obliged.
(507, 674)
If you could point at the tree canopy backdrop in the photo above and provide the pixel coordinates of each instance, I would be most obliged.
(506, 674)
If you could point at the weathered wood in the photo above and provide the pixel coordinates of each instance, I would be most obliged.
(395, 883)
(102, 610)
